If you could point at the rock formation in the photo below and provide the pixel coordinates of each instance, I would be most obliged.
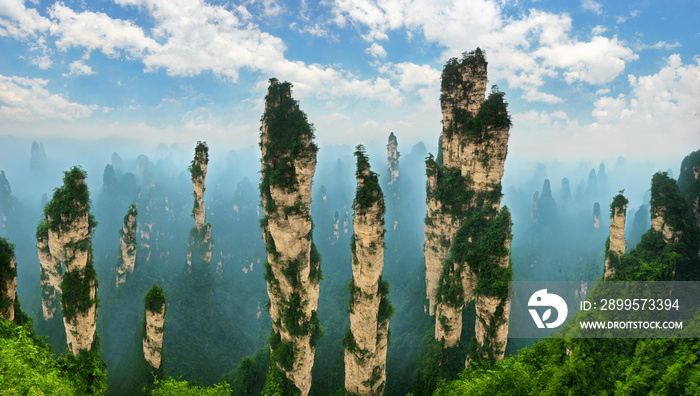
(293, 267)
(7, 206)
(392, 154)
(616, 242)
(596, 215)
(689, 185)
(126, 258)
(38, 163)
(8, 280)
(565, 192)
(154, 305)
(199, 243)
(463, 198)
(336, 227)
(69, 225)
(665, 204)
(367, 341)
(51, 274)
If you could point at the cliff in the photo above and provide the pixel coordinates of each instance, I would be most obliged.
(8, 280)
(463, 199)
(199, 243)
(154, 306)
(666, 207)
(51, 273)
(689, 185)
(70, 226)
(366, 342)
(293, 267)
(127, 250)
(615, 246)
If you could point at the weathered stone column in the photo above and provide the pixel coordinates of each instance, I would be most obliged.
(154, 306)
(199, 242)
(8, 280)
(293, 267)
(366, 342)
(616, 241)
(126, 259)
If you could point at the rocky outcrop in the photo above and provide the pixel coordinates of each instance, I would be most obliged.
(464, 217)
(616, 242)
(689, 185)
(69, 225)
(8, 280)
(126, 258)
(665, 207)
(336, 228)
(7, 206)
(366, 342)
(293, 267)
(199, 243)
(392, 154)
(154, 305)
(596, 215)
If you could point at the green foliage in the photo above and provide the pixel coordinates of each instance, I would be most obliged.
(8, 273)
(27, 365)
(452, 190)
(666, 199)
(154, 300)
(69, 202)
(76, 287)
(283, 352)
(172, 387)
(201, 155)
(289, 137)
(277, 384)
(87, 370)
(386, 310)
(493, 113)
(315, 273)
(617, 204)
(452, 78)
(368, 193)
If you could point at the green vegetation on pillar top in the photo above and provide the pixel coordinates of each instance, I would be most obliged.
(154, 301)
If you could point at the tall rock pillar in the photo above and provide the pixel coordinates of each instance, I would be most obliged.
(616, 242)
(367, 341)
(8, 280)
(199, 243)
(126, 259)
(293, 267)
(69, 225)
(464, 216)
(154, 306)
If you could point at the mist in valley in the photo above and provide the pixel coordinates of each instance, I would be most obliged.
(216, 312)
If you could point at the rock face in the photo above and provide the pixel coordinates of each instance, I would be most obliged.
(689, 185)
(664, 207)
(392, 154)
(127, 251)
(293, 267)
(69, 225)
(596, 215)
(199, 243)
(8, 280)
(463, 199)
(51, 275)
(154, 302)
(616, 241)
(366, 343)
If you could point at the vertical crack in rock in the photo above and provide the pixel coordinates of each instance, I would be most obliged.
(615, 246)
(126, 259)
(69, 225)
(200, 244)
(8, 280)
(154, 306)
(293, 267)
(366, 342)
(467, 237)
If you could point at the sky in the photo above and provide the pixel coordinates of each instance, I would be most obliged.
(584, 79)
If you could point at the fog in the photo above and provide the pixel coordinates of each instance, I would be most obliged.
(216, 314)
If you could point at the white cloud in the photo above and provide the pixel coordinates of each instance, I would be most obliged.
(524, 50)
(27, 99)
(78, 68)
(20, 22)
(659, 118)
(659, 45)
(410, 75)
(376, 51)
(598, 30)
(591, 5)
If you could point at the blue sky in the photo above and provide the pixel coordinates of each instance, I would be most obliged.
(585, 79)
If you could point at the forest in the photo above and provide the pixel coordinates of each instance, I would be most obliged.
(203, 271)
